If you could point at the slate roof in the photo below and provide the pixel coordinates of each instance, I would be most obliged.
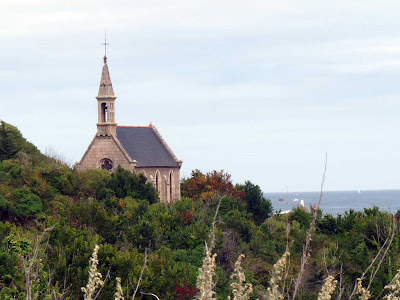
(144, 146)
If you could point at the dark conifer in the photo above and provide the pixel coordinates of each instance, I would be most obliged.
(9, 142)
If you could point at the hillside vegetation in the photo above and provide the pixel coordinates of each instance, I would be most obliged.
(52, 216)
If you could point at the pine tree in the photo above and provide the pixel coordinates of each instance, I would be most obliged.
(9, 142)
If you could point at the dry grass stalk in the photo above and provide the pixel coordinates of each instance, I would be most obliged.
(205, 278)
(274, 292)
(363, 292)
(394, 288)
(207, 271)
(94, 280)
(328, 288)
(240, 289)
(118, 293)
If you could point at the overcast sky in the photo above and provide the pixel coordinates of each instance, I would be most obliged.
(261, 89)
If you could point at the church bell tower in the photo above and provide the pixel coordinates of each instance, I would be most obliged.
(139, 149)
(106, 125)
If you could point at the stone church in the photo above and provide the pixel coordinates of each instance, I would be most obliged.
(140, 149)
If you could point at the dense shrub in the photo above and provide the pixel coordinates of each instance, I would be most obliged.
(26, 204)
(12, 142)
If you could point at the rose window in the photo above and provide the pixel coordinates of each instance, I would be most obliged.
(106, 164)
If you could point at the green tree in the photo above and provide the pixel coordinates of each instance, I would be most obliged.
(257, 205)
(9, 142)
(12, 141)
(125, 183)
(26, 203)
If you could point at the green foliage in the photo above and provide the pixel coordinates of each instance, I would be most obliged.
(360, 255)
(11, 249)
(302, 216)
(26, 204)
(257, 205)
(11, 142)
(15, 244)
(8, 266)
(40, 285)
(120, 211)
(240, 223)
(5, 230)
(4, 204)
(328, 225)
(125, 183)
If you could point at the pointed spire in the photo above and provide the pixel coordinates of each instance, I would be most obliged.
(105, 89)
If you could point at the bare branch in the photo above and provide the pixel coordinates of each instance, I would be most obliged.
(212, 233)
(393, 231)
(385, 248)
(306, 248)
(141, 273)
(151, 294)
(31, 261)
(341, 287)
(286, 287)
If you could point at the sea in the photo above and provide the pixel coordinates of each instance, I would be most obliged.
(337, 202)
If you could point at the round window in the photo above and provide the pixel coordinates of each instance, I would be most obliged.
(106, 164)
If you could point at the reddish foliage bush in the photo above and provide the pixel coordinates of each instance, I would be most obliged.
(184, 292)
(186, 217)
(206, 186)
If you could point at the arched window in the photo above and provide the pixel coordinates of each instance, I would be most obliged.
(157, 181)
(104, 112)
(170, 185)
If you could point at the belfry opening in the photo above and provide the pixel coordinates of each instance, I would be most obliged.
(103, 112)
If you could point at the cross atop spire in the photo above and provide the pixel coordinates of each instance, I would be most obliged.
(106, 88)
(105, 46)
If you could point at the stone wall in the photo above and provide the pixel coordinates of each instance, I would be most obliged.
(104, 147)
(169, 190)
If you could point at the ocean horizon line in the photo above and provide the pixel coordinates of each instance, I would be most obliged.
(336, 202)
(329, 191)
